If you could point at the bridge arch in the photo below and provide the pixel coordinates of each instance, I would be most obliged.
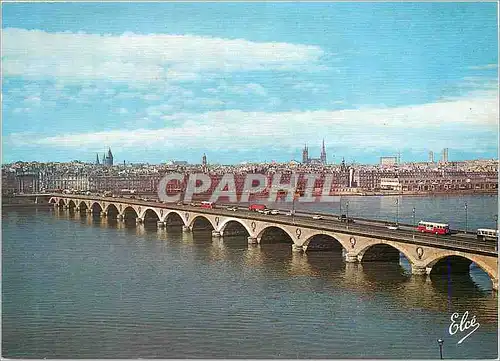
(203, 219)
(53, 200)
(150, 209)
(173, 216)
(150, 214)
(96, 207)
(269, 228)
(490, 270)
(381, 250)
(82, 205)
(321, 240)
(225, 222)
(111, 209)
(72, 203)
(108, 206)
(129, 212)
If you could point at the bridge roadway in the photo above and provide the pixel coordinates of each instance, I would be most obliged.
(422, 250)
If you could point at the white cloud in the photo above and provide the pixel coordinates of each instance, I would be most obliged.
(33, 100)
(442, 124)
(21, 110)
(143, 58)
(483, 67)
(121, 111)
(314, 88)
(244, 89)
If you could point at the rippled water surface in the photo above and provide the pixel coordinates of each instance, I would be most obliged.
(78, 287)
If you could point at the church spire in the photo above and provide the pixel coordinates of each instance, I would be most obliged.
(323, 153)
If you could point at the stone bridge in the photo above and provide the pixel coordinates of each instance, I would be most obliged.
(423, 258)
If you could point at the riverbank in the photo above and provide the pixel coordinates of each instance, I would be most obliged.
(422, 193)
(25, 202)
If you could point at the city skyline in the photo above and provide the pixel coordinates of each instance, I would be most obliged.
(166, 81)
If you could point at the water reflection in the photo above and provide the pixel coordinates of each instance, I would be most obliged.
(299, 265)
(252, 256)
(440, 293)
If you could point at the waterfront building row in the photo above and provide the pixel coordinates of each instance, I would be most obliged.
(342, 180)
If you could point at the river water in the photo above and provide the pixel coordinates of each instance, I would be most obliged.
(79, 287)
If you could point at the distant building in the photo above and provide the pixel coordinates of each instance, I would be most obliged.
(392, 184)
(388, 160)
(323, 153)
(320, 160)
(305, 155)
(445, 155)
(179, 162)
(431, 156)
(107, 160)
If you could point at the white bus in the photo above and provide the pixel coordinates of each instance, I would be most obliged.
(487, 234)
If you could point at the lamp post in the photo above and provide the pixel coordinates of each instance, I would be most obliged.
(465, 217)
(413, 229)
(440, 343)
(293, 208)
(340, 207)
(397, 212)
(496, 230)
(347, 213)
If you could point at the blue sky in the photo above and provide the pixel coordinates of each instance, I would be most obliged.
(248, 81)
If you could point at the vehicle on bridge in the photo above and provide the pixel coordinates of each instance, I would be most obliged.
(257, 207)
(316, 216)
(343, 218)
(206, 204)
(433, 227)
(487, 234)
(393, 227)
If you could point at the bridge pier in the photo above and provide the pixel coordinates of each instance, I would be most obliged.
(296, 248)
(103, 214)
(216, 234)
(139, 220)
(119, 217)
(494, 282)
(418, 270)
(252, 240)
(351, 258)
(160, 224)
(186, 229)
